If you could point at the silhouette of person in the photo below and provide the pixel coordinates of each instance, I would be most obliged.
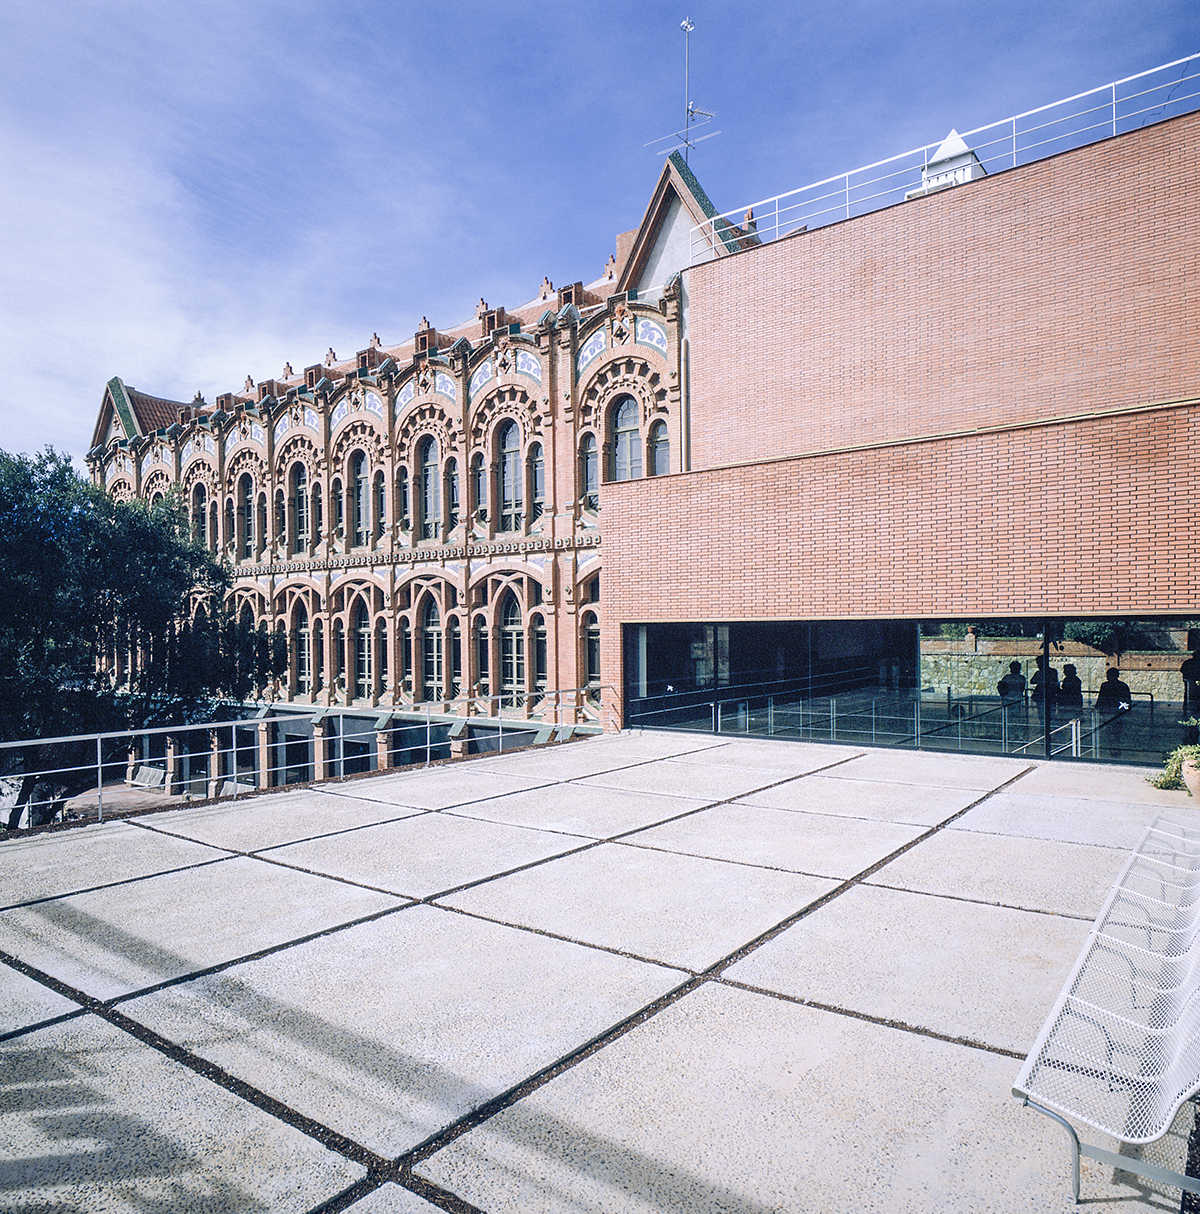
(1012, 692)
(1070, 692)
(1114, 698)
(1043, 683)
(1190, 671)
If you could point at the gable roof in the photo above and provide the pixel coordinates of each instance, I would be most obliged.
(137, 413)
(677, 185)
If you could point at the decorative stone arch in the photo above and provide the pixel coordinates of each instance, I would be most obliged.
(509, 402)
(625, 375)
(241, 596)
(299, 447)
(121, 490)
(244, 461)
(426, 417)
(157, 482)
(200, 472)
(358, 434)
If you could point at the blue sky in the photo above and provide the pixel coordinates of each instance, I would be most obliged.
(196, 193)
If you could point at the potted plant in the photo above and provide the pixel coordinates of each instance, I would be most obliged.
(1182, 768)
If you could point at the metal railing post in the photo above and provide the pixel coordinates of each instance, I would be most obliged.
(428, 736)
(832, 719)
(99, 782)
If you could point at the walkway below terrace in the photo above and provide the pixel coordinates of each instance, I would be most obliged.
(635, 973)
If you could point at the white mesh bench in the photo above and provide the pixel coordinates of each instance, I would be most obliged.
(1120, 1051)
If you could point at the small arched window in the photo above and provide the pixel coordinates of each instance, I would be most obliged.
(303, 651)
(246, 513)
(378, 505)
(402, 497)
(589, 473)
(537, 482)
(537, 640)
(479, 493)
(427, 460)
(431, 651)
(626, 441)
(199, 514)
(509, 442)
(480, 630)
(453, 496)
(591, 646)
(660, 449)
(361, 644)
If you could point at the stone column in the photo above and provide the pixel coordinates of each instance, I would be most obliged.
(216, 763)
(264, 754)
(320, 753)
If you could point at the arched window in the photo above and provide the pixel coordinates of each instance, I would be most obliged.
(246, 511)
(405, 670)
(453, 496)
(626, 441)
(427, 460)
(382, 665)
(260, 535)
(660, 449)
(299, 493)
(591, 644)
(509, 443)
(537, 639)
(402, 498)
(512, 654)
(454, 644)
(214, 531)
(230, 535)
(318, 661)
(589, 473)
(360, 498)
(431, 652)
(480, 632)
(379, 506)
(280, 517)
(537, 482)
(479, 493)
(303, 651)
(336, 508)
(199, 514)
(338, 640)
(361, 644)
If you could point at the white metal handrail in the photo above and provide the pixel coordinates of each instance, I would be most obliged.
(1013, 144)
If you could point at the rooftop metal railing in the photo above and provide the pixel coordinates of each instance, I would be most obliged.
(1112, 109)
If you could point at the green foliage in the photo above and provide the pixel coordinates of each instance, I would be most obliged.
(82, 575)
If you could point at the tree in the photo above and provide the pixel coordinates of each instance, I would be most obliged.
(83, 577)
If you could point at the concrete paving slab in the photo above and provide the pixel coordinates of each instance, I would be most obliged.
(579, 809)
(681, 777)
(981, 772)
(120, 939)
(1099, 782)
(778, 754)
(419, 856)
(275, 818)
(934, 963)
(818, 844)
(391, 1199)
(1032, 874)
(394, 1029)
(922, 805)
(44, 866)
(95, 1121)
(728, 1101)
(436, 787)
(24, 1002)
(587, 756)
(675, 909)
(1068, 819)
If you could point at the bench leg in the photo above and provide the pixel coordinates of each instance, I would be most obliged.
(1066, 1125)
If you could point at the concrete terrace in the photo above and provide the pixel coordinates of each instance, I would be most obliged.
(646, 972)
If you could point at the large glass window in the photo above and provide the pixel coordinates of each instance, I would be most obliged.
(509, 441)
(626, 440)
(427, 459)
(512, 654)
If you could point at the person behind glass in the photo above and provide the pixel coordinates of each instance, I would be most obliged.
(1012, 691)
(1070, 692)
(1116, 700)
(1043, 683)
(1190, 671)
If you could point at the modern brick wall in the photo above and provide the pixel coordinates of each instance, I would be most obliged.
(1086, 517)
(1064, 287)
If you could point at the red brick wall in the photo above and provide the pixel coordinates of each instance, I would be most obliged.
(1077, 518)
(1064, 287)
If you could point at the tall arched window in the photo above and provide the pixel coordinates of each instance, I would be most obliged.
(230, 529)
(431, 652)
(299, 493)
(361, 644)
(214, 531)
(479, 494)
(402, 510)
(660, 449)
(591, 644)
(382, 665)
(199, 513)
(537, 639)
(280, 518)
(318, 650)
(537, 482)
(589, 473)
(378, 506)
(303, 651)
(427, 460)
(246, 512)
(260, 535)
(453, 495)
(336, 508)
(512, 654)
(360, 499)
(509, 443)
(480, 633)
(626, 441)
(454, 644)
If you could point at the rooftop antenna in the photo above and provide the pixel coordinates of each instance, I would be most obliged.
(693, 116)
